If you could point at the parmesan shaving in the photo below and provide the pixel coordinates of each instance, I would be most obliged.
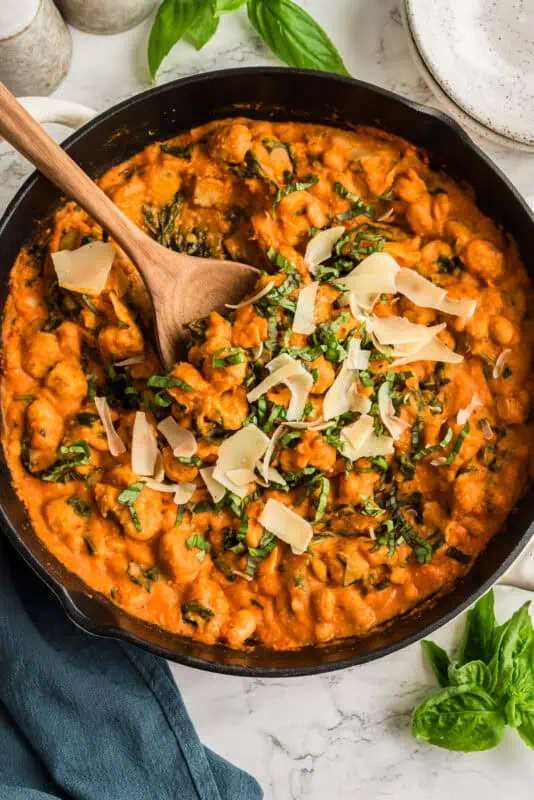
(342, 395)
(159, 472)
(464, 413)
(434, 350)
(286, 525)
(215, 489)
(403, 335)
(255, 297)
(500, 364)
(241, 477)
(115, 443)
(265, 467)
(424, 293)
(395, 425)
(184, 493)
(356, 357)
(487, 430)
(321, 247)
(361, 442)
(240, 452)
(128, 362)
(304, 319)
(374, 276)
(287, 370)
(144, 446)
(181, 440)
(85, 269)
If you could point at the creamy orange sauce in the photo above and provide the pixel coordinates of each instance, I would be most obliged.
(212, 192)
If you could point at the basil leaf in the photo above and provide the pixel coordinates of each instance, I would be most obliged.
(299, 186)
(526, 728)
(79, 505)
(172, 22)
(473, 672)
(463, 718)
(168, 382)
(512, 649)
(131, 493)
(294, 36)
(227, 6)
(476, 643)
(204, 27)
(198, 541)
(438, 660)
(194, 607)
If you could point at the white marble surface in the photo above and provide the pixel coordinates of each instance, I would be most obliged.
(343, 735)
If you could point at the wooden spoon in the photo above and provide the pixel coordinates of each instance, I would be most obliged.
(182, 287)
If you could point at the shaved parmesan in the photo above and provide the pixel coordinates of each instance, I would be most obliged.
(304, 319)
(424, 293)
(241, 477)
(265, 467)
(342, 395)
(395, 425)
(500, 364)
(464, 413)
(359, 403)
(128, 362)
(374, 276)
(115, 443)
(240, 452)
(286, 525)
(184, 493)
(487, 431)
(159, 472)
(216, 489)
(86, 269)
(287, 370)
(434, 350)
(144, 446)
(361, 442)
(257, 351)
(181, 440)
(356, 357)
(321, 246)
(255, 297)
(403, 335)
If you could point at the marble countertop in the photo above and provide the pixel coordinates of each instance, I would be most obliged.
(346, 734)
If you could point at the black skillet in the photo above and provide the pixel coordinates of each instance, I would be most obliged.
(280, 94)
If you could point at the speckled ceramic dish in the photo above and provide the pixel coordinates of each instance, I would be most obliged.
(481, 54)
(448, 105)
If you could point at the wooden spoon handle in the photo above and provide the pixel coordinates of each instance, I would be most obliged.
(29, 138)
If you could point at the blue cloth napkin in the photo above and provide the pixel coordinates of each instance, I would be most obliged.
(92, 719)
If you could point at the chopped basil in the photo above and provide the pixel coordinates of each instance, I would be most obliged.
(188, 460)
(86, 418)
(142, 577)
(194, 608)
(79, 505)
(449, 265)
(91, 547)
(256, 554)
(358, 206)
(280, 261)
(299, 186)
(168, 382)
(69, 457)
(370, 508)
(435, 447)
(324, 485)
(458, 555)
(223, 566)
(198, 541)
(458, 443)
(90, 305)
(179, 516)
(128, 498)
(233, 355)
(274, 144)
(252, 169)
(178, 151)
(506, 373)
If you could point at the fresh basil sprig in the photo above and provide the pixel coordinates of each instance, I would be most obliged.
(289, 31)
(489, 686)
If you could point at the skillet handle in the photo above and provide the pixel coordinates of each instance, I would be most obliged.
(52, 109)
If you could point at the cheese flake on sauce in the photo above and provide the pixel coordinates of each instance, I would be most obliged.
(286, 525)
(115, 443)
(181, 440)
(85, 269)
(304, 319)
(144, 446)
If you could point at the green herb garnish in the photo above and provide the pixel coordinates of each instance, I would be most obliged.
(79, 505)
(195, 609)
(232, 356)
(490, 684)
(202, 544)
(168, 382)
(299, 186)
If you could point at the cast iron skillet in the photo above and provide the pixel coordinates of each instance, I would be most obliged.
(281, 94)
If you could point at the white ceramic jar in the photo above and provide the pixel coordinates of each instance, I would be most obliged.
(35, 46)
(105, 16)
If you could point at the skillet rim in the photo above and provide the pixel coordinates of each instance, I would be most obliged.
(109, 630)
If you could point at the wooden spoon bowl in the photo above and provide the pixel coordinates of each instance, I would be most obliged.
(182, 287)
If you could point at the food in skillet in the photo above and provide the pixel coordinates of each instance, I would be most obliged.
(333, 451)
